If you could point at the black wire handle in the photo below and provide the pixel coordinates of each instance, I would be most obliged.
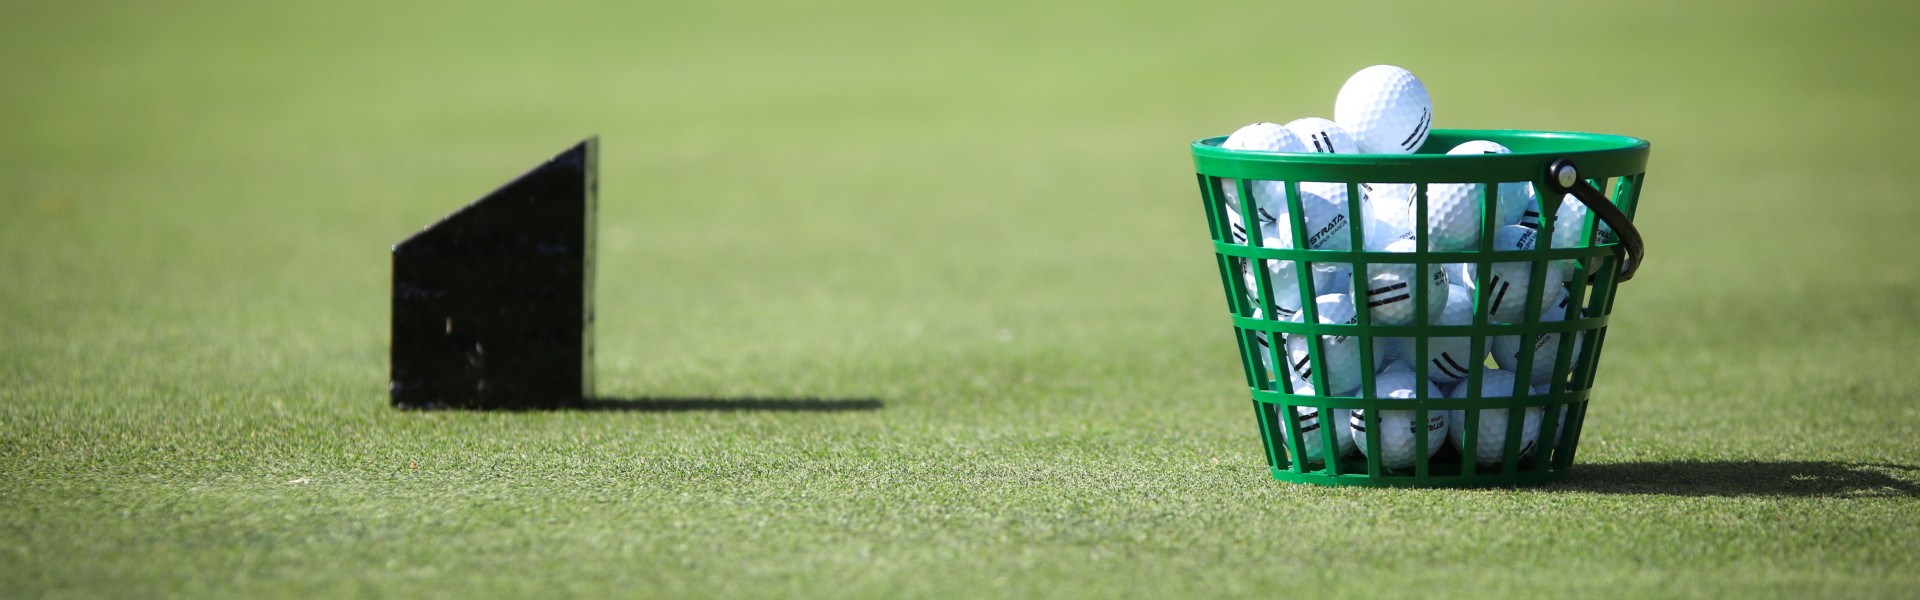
(1564, 178)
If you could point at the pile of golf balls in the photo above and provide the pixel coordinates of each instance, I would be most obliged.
(1385, 109)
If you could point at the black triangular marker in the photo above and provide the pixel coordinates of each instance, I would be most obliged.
(493, 304)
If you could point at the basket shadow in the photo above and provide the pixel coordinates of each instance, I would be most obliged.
(1747, 478)
(690, 404)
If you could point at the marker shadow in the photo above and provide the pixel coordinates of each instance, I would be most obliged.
(705, 404)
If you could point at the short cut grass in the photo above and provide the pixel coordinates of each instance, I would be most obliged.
(975, 227)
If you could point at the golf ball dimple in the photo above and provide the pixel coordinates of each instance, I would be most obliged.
(1513, 199)
(1570, 225)
(1340, 354)
(1397, 192)
(1386, 109)
(1453, 216)
(1490, 447)
(1398, 444)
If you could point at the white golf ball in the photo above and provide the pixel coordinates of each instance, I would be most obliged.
(1508, 283)
(1264, 137)
(1397, 427)
(1401, 193)
(1386, 350)
(1236, 226)
(1459, 274)
(1335, 193)
(1450, 358)
(1514, 198)
(1323, 137)
(1340, 353)
(1453, 216)
(1307, 418)
(1570, 228)
(1287, 293)
(1280, 273)
(1391, 286)
(1285, 289)
(1386, 222)
(1492, 440)
(1326, 223)
(1546, 347)
(1386, 109)
(1529, 218)
(1331, 278)
(1570, 225)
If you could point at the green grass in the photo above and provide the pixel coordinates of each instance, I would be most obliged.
(981, 215)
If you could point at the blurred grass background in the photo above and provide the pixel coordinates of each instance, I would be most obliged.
(982, 215)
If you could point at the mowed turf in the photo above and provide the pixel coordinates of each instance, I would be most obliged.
(980, 218)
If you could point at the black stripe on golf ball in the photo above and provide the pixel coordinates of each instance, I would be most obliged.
(1376, 292)
(1307, 423)
(1499, 294)
(1426, 118)
(1323, 143)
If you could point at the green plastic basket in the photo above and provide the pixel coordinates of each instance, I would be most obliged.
(1604, 172)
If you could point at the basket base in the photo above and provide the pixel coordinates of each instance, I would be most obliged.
(1443, 471)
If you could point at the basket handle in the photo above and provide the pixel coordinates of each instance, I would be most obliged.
(1564, 178)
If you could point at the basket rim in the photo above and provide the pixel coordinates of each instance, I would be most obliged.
(1559, 400)
(1598, 154)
